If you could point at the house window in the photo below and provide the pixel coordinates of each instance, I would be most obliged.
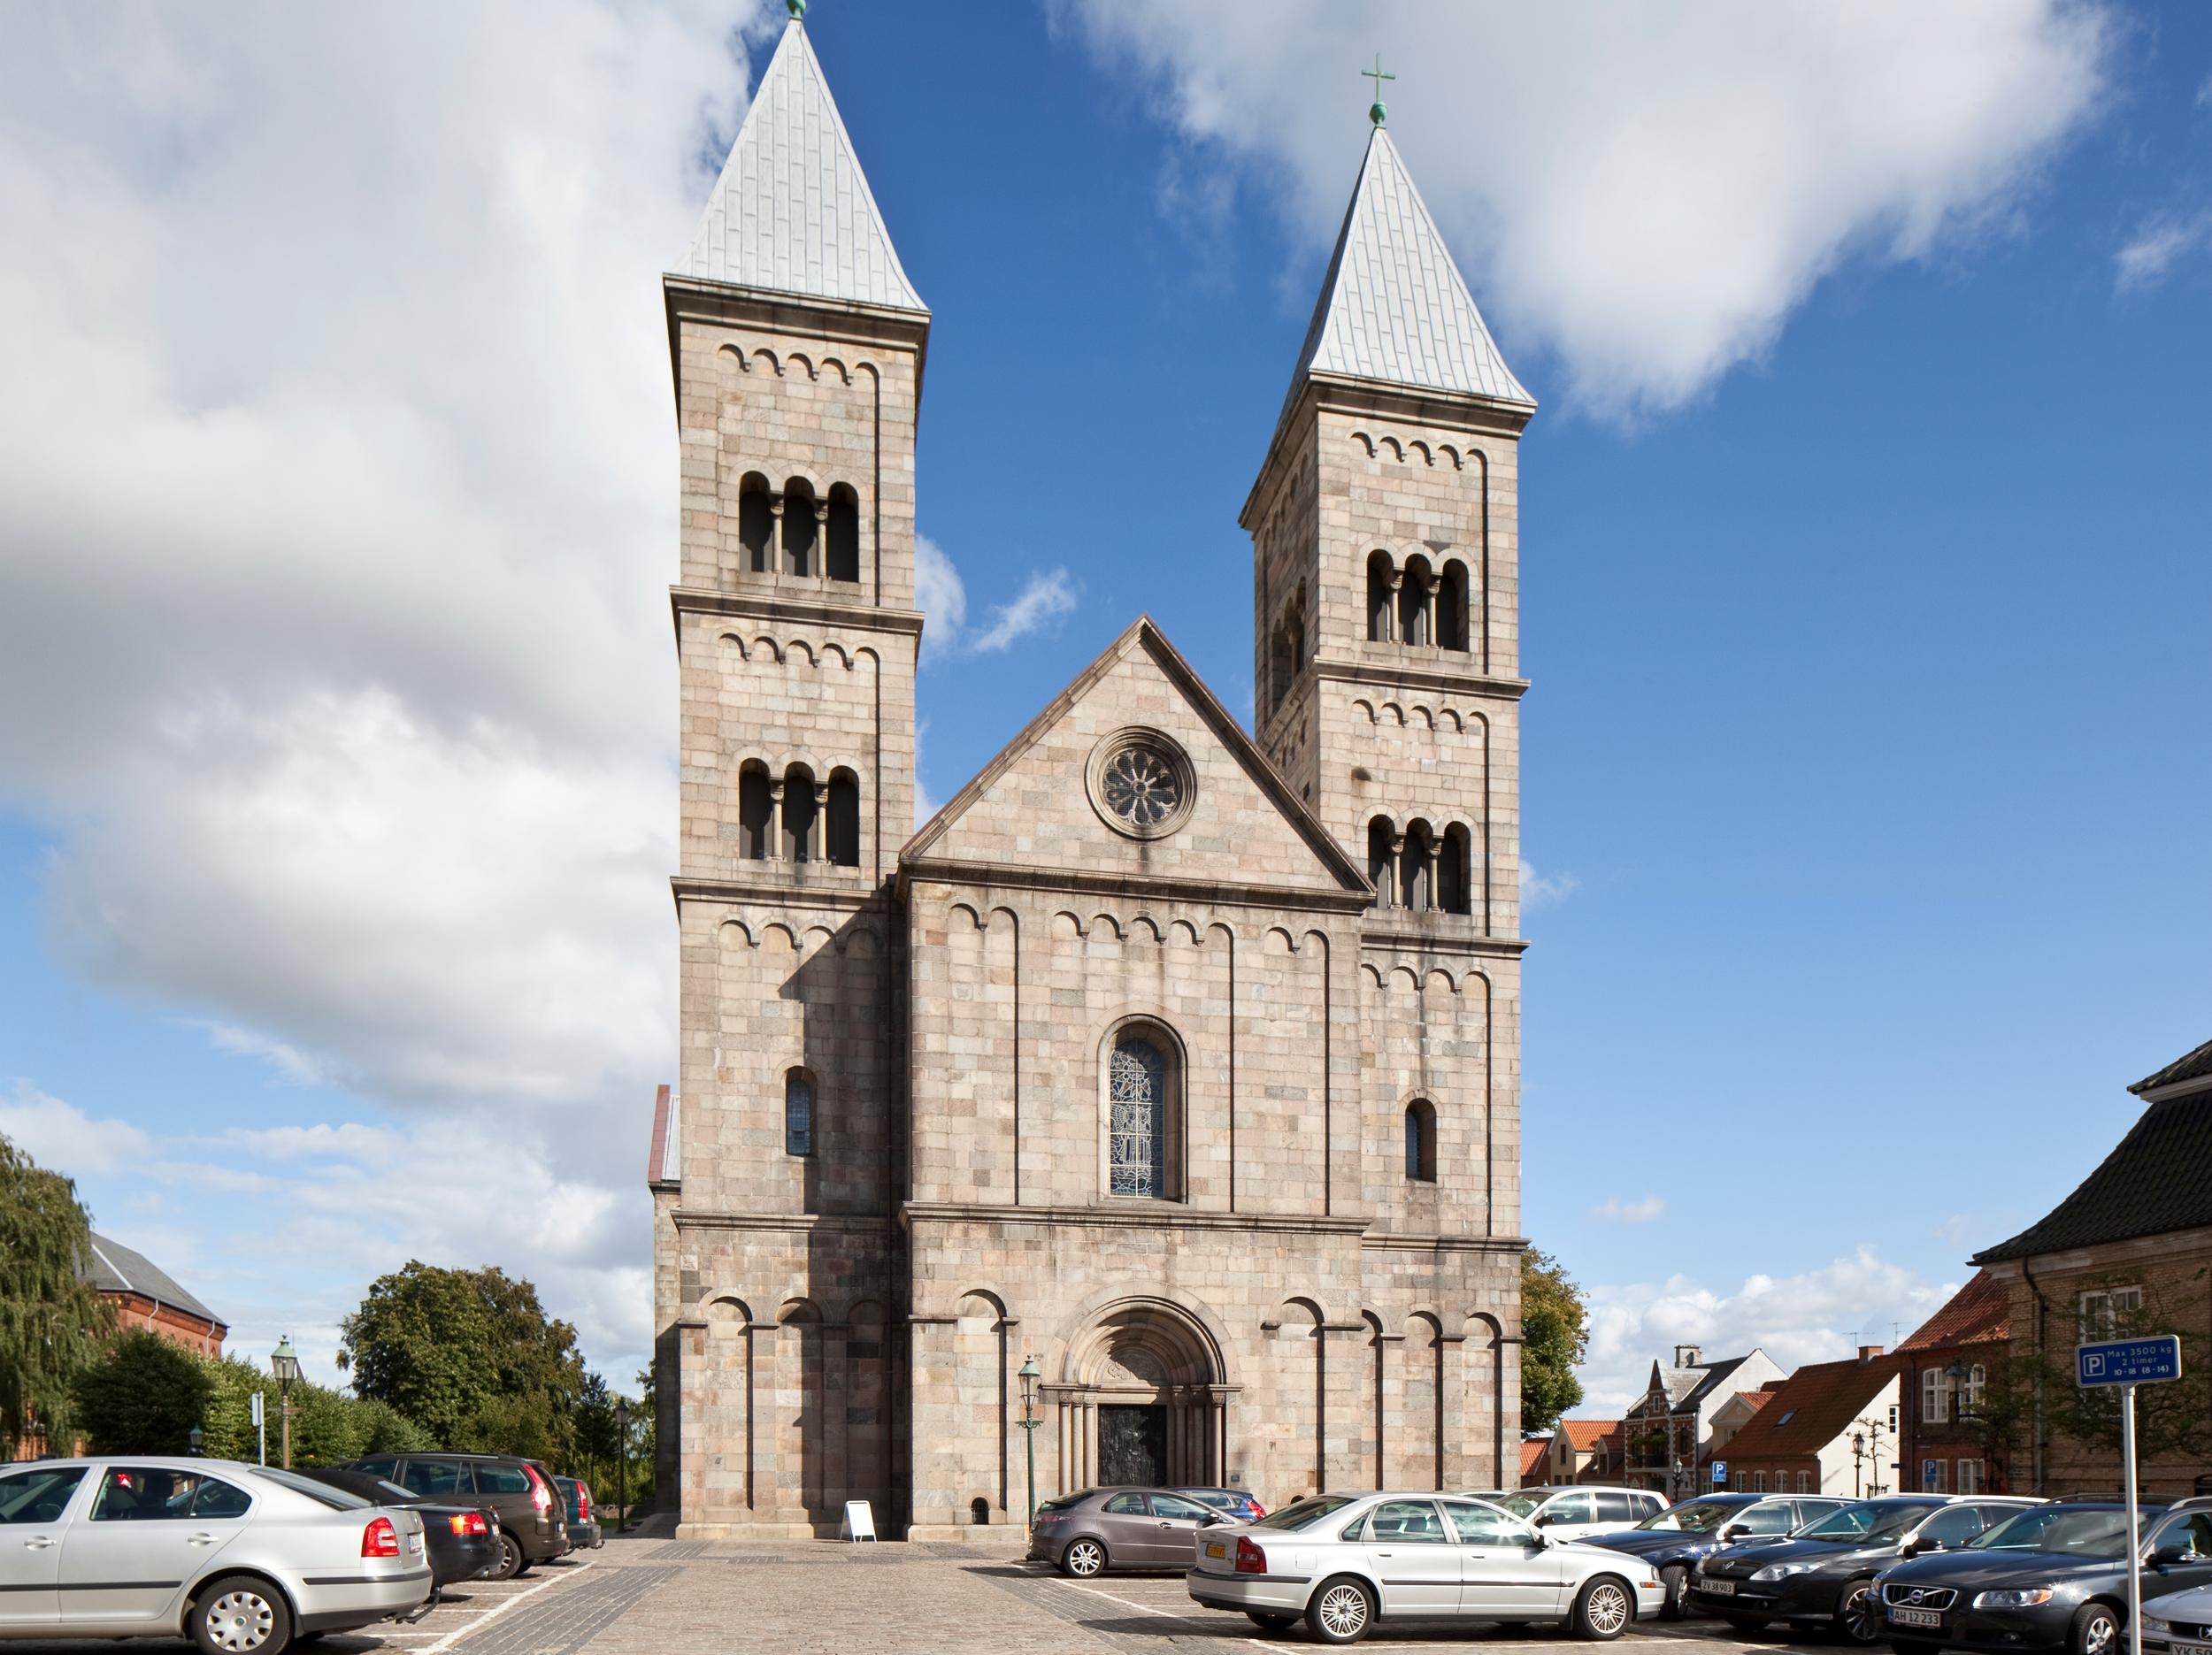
(1421, 1141)
(1140, 1125)
(1935, 1397)
(1758, 1482)
(1804, 1483)
(1969, 1476)
(798, 1113)
(2105, 1311)
(1738, 1484)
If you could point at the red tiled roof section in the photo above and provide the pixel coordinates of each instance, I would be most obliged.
(1753, 1400)
(1814, 1406)
(1585, 1435)
(1979, 1313)
(1532, 1452)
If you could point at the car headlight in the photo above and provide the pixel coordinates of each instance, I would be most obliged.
(2153, 1626)
(2028, 1597)
(1781, 1571)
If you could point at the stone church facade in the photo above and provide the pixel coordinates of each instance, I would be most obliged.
(1181, 1059)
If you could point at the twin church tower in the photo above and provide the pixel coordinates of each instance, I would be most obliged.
(1176, 1064)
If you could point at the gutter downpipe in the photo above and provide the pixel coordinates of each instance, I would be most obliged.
(2027, 1273)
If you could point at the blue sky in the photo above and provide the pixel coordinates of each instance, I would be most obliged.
(1864, 586)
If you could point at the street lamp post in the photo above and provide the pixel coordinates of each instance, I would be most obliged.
(285, 1366)
(195, 1437)
(1027, 1373)
(622, 1462)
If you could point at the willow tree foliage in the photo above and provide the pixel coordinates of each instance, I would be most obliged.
(51, 1321)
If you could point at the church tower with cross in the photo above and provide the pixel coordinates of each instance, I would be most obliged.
(1153, 1107)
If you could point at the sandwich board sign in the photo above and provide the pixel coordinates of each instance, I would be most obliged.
(2128, 1363)
(860, 1520)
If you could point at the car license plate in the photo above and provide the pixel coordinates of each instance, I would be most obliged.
(2179, 1647)
(1916, 1617)
(1216, 1548)
(1720, 1589)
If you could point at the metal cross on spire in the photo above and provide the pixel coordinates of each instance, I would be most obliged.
(1378, 113)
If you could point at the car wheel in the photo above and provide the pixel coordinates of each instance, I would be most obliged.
(1858, 1613)
(509, 1562)
(1083, 1558)
(1268, 1622)
(2096, 1629)
(240, 1615)
(1603, 1610)
(1342, 1612)
(1676, 1579)
(1746, 1623)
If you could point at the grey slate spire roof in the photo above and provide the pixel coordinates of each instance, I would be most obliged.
(1393, 306)
(792, 211)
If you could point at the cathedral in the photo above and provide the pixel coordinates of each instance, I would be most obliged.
(1154, 1104)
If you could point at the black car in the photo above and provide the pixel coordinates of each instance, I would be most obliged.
(1824, 1575)
(2055, 1577)
(459, 1537)
(533, 1522)
(1674, 1541)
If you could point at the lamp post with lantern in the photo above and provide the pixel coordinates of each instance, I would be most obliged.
(1027, 1373)
(622, 1464)
(284, 1367)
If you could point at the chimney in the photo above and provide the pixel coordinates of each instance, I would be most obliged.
(1686, 1355)
(1868, 1352)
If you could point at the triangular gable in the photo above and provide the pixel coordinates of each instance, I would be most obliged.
(1029, 809)
(792, 211)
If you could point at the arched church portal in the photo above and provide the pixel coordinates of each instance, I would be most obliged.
(1142, 1400)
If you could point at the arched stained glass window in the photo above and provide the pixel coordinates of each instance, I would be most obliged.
(1137, 1129)
(798, 1113)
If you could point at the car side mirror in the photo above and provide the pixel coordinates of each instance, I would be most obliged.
(1734, 1531)
(1914, 1548)
(1212, 1518)
(1545, 1520)
(2168, 1552)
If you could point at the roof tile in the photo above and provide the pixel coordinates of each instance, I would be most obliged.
(2157, 1179)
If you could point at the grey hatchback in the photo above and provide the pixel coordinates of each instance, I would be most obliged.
(1091, 1531)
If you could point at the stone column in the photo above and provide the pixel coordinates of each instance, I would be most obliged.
(1389, 1405)
(819, 573)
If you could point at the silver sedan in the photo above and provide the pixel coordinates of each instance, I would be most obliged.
(240, 1559)
(1342, 1562)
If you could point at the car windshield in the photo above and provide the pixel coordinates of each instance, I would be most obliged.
(337, 1500)
(1519, 1504)
(2089, 1532)
(1694, 1517)
(1868, 1521)
(1304, 1514)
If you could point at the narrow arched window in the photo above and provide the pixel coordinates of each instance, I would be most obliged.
(798, 814)
(1415, 866)
(1454, 890)
(1381, 861)
(1379, 627)
(798, 1111)
(1451, 607)
(756, 813)
(1421, 1141)
(840, 557)
(1139, 1116)
(842, 830)
(1415, 592)
(756, 522)
(798, 527)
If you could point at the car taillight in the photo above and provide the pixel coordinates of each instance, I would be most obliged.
(1258, 1510)
(380, 1539)
(540, 1496)
(1250, 1558)
(583, 1503)
(468, 1523)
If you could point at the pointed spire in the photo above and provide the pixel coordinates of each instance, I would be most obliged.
(792, 211)
(1393, 306)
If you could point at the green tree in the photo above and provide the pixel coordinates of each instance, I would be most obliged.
(471, 1358)
(1555, 1335)
(51, 1321)
(143, 1395)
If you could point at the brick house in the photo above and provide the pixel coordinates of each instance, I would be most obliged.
(1948, 1364)
(2129, 1251)
(1667, 1433)
(1580, 1451)
(149, 1298)
(1830, 1428)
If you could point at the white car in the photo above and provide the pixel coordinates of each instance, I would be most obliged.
(1578, 1512)
(240, 1559)
(1342, 1562)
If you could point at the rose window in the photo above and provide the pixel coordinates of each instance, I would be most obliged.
(1141, 788)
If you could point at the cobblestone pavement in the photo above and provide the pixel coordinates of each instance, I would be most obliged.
(656, 1597)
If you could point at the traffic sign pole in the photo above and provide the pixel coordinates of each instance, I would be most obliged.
(2135, 1532)
(2128, 1363)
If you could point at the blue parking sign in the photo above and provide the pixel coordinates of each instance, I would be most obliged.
(2128, 1361)
(1720, 1472)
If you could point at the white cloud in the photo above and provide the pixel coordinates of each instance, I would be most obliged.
(942, 595)
(1541, 890)
(1812, 1317)
(1956, 1231)
(1629, 1212)
(2151, 253)
(1648, 190)
(61, 1137)
(2204, 95)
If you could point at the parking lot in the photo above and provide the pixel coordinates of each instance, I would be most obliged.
(660, 1596)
